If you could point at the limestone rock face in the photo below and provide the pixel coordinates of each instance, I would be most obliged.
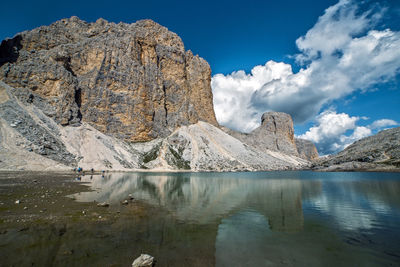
(276, 133)
(133, 81)
(306, 149)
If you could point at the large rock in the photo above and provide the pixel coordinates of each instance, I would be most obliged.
(306, 149)
(276, 133)
(377, 152)
(143, 260)
(133, 81)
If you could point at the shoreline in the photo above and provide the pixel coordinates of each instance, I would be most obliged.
(97, 172)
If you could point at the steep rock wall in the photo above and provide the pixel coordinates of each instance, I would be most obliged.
(133, 81)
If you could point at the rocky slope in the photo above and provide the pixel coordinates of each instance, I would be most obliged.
(276, 133)
(377, 152)
(133, 81)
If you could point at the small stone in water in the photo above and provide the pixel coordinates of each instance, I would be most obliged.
(17, 201)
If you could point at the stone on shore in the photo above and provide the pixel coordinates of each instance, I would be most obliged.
(144, 260)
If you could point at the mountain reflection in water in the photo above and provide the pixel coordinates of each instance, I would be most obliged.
(199, 199)
(349, 202)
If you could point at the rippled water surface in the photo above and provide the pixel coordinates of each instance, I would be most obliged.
(274, 218)
(210, 219)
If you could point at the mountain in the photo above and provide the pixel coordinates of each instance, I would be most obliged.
(377, 152)
(122, 97)
(133, 81)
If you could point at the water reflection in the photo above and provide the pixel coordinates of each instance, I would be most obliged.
(350, 202)
(199, 199)
(356, 205)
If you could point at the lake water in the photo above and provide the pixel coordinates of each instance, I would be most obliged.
(265, 218)
(202, 219)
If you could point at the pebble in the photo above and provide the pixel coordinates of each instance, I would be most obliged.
(25, 208)
(125, 202)
(104, 204)
(17, 201)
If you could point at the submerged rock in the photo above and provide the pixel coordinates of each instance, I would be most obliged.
(104, 204)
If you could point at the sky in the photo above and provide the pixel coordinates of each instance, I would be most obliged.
(332, 65)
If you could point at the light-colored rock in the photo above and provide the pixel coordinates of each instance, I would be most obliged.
(133, 81)
(203, 147)
(143, 260)
(306, 149)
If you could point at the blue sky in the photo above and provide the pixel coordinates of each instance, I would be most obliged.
(236, 36)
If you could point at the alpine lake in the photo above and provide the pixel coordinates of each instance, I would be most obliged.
(286, 218)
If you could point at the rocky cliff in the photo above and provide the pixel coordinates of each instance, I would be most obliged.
(377, 152)
(306, 149)
(276, 133)
(133, 81)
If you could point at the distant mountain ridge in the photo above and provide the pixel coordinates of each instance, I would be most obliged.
(377, 152)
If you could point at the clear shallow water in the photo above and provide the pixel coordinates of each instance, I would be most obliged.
(266, 219)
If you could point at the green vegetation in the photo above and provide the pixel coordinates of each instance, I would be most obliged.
(178, 160)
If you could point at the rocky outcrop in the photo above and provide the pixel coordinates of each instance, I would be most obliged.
(134, 81)
(377, 152)
(276, 133)
(306, 149)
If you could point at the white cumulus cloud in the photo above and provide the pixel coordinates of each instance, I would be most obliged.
(341, 54)
(334, 131)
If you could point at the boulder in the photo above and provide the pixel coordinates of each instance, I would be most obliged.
(143, 260)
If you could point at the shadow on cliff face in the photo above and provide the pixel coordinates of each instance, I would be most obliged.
(9, 50)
